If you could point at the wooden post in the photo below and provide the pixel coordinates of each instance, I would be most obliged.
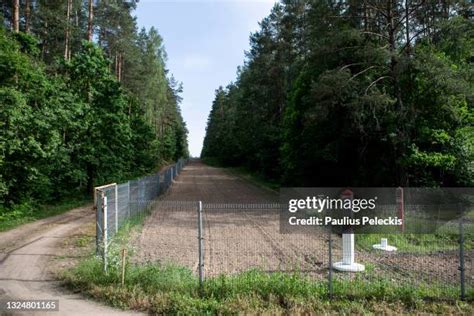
(124, 255)
(401, 207)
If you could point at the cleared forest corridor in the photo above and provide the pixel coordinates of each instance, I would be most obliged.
(241, 227)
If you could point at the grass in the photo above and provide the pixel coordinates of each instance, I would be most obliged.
(255, 178)
(415, 243)
(171, 289)
(29, 212)
(446, 238)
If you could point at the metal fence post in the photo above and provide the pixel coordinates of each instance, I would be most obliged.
(116, 209)
(98, 222)
(461, 254)
(105, 230)
(200, 246)
(330, 289)
(128, 200)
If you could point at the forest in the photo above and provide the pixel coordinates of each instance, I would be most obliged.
(85, 99)
(352, 93)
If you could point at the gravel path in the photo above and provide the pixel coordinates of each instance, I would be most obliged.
(26, 261)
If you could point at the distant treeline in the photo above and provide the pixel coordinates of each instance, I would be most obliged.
(353, 93)
(85, 99)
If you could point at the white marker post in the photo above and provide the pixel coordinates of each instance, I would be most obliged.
(348, 263)
(401, 214)
(384, 245)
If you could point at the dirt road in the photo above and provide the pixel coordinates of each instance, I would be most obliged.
(240, 222)
(27, 256)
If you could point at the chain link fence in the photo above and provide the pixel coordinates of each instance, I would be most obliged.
(117, 203)
(235, 233)
(215, 239)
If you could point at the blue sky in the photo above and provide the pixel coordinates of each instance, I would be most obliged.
(205, 41)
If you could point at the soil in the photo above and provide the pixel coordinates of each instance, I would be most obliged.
(241, 228)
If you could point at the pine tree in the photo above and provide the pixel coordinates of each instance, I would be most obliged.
(16, 16)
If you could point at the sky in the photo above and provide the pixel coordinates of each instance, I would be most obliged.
(205, 41)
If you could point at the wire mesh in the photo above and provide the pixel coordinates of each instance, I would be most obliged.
(241, 233)
(128, 200)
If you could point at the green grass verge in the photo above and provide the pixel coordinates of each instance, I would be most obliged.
(255, 178)
(170, 289)
(29, 212)
(446, 238)
(415, 243)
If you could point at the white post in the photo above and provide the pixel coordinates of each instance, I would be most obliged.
(384, 245)
(104, 227)
(348, 255)
(348, 263)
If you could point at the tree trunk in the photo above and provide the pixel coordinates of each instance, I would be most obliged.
(27, 16)
(16, 16)
(91, 18)
(120, 67)
(366, 19)
(446, 9)
(407, 27)
(66, 37)
(116, 65)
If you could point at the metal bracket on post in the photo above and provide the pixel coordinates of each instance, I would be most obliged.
(200, 246)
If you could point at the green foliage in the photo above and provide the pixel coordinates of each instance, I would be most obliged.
(29, 211)
(69, 122)
(331, 96)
